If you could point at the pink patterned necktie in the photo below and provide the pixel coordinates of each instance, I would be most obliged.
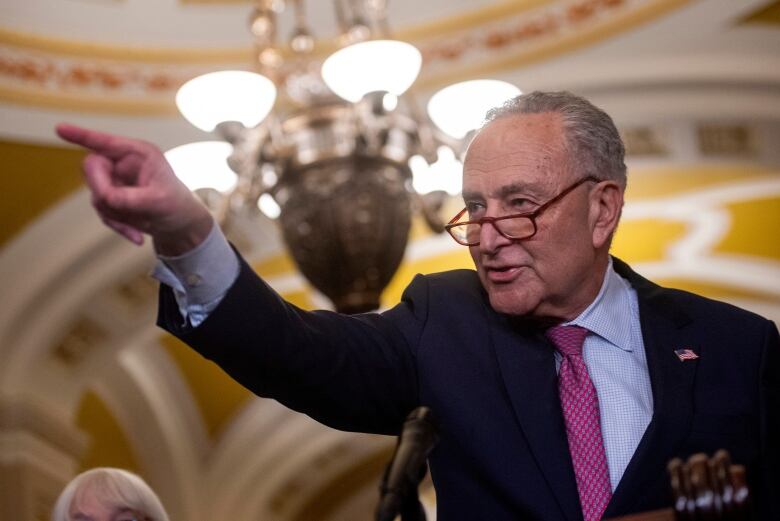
(580, 405)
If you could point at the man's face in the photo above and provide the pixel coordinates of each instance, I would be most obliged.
(514, 165)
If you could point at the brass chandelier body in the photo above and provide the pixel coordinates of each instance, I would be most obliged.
(345, 199)
(338, 171)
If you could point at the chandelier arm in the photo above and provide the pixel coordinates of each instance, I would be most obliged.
(247, 146)
(358, 14)
(300, 14)
(430, 206)
(427, 136)
(379, 21)
(341, 16)
(276, 135)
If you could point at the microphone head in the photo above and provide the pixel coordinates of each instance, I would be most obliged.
(420, 426)
(421, 413)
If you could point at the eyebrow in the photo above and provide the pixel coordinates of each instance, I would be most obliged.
(128, 510)
(506, 190)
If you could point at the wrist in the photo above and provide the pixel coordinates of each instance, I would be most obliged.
(186, 239)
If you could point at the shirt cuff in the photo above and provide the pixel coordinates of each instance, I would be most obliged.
(202, 275)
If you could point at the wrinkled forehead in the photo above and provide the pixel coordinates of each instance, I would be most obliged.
(519, 149)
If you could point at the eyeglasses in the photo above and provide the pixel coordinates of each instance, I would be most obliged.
(516, 226)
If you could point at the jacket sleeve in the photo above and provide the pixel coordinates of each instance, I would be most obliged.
(353, 373)
(767, 491)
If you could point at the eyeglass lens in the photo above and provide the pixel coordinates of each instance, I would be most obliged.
(514, 228)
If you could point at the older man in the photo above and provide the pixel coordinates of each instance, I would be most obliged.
(561, 380)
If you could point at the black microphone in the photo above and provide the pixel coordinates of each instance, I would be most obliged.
(398, 490)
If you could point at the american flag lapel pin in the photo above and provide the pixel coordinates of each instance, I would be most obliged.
(685, 354)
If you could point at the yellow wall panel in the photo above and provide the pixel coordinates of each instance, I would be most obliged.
(217, 395)
(755, 229)
(108, 446)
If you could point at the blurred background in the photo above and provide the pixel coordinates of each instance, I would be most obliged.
(354, 196)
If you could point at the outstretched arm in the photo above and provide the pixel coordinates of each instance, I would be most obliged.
(135, 191)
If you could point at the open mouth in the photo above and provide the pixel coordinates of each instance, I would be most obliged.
(502, 274)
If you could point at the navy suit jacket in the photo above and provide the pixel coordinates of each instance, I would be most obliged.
(491, 383)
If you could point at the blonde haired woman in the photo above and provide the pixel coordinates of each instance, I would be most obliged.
(108, 494)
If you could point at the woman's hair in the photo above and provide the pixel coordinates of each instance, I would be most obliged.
(113, 488)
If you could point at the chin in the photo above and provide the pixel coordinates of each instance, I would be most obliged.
(510, 302)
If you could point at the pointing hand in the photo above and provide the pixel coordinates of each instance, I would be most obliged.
(135, 191)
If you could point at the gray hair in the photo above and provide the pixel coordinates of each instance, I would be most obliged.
(113, 488)
(592, 139)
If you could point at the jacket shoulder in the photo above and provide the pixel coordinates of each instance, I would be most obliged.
(447, 284)
(683, 305)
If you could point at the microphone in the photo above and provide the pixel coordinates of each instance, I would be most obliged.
(398, 490)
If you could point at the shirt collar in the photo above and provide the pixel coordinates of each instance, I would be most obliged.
(610, 314)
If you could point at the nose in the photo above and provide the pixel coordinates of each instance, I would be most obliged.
(490, 239)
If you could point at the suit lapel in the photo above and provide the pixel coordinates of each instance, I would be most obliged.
(528, 370)
(672, 387)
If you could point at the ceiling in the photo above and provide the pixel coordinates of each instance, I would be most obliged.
(78, 349)
(116, 64)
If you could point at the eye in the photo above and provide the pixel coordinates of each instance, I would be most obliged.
(474, 208)
(128, 515)
(521, 204)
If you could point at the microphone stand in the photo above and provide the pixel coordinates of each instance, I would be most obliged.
(407, 468)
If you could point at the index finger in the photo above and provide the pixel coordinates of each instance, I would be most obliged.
(109, 145)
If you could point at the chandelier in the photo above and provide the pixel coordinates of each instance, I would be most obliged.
(337, 149)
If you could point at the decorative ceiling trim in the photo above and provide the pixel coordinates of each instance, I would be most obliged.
(96, 104)
(93, 50)
(214, 2)
(471, 19)
(539, 38)
(88, 49)
(503, 37)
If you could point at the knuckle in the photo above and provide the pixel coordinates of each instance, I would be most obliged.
(107, 202)
(146, 148)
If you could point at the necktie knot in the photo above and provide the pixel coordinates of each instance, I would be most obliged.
(567, 340)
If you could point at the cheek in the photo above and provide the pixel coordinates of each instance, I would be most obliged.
(568, 238)
(474, 252)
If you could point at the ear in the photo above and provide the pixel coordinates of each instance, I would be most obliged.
(606, 203)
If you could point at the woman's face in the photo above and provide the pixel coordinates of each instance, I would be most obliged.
(88, 507)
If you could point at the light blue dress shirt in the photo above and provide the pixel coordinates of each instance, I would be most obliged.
(613, 352)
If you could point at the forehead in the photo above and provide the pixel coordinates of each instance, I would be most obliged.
(518, 149)
(95, 496)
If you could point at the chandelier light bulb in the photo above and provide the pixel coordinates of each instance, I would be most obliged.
(461, 107)
(372, 66)
(213, 98)
(302, 42)
(203, 164)
(268, 205)
(389, 102)
(260, 25)
(444, 174)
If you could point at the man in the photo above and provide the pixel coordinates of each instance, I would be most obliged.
(562, 381)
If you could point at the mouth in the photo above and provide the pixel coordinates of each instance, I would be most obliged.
(502, 274)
